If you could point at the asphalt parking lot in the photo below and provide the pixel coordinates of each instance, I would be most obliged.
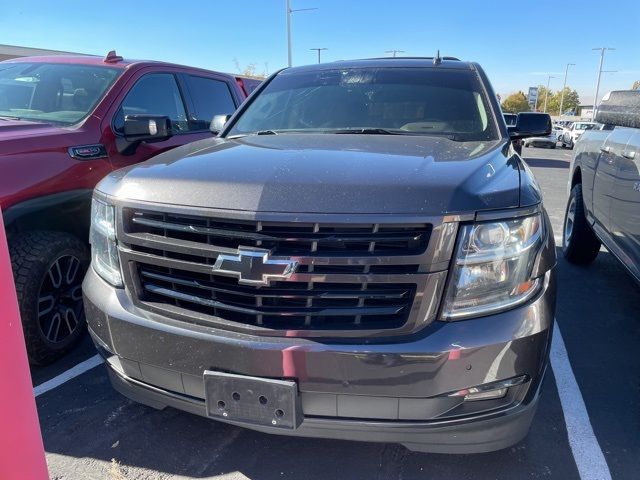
(91, 432)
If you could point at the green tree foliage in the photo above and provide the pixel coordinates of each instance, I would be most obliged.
(516, 102)
(571, 100)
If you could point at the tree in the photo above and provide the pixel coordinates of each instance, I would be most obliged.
(516, 102)
(250, 70)
(542, 94)
(570, 102)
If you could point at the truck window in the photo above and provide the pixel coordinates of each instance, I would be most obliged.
(210, 97)
(411, 101)
(154, 94)
(50, 92)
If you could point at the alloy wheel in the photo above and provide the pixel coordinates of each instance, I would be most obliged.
(569, 221)
(60, 309)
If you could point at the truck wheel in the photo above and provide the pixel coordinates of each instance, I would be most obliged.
(579, 244)
(48, 269)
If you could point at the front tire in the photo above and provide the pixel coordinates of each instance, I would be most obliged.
(579, 244)
(48, 269)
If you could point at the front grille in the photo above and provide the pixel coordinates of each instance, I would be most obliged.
(308, 239)
(350, 277)
(284, 305)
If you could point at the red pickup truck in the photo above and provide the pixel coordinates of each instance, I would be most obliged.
(65, 122)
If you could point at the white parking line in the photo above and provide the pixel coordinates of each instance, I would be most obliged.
(73, 372)
(583, 442)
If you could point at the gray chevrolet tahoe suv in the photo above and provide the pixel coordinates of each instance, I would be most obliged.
(359, 254)
(604, 186)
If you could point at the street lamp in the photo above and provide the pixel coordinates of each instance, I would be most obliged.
(289, 12)
(318, 50)
(595, 100)
(564, 85)
(546, 95)
(394, 52)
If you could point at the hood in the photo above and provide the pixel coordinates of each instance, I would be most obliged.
(326, 174)
(11, 129)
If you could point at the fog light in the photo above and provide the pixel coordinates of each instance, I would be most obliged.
(489, 391)
(497, 393)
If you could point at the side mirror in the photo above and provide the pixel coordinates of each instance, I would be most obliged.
(530, 124)
(147, 128)
(218, 123)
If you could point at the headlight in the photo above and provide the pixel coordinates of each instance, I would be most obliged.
(104, 249)
(493, 265)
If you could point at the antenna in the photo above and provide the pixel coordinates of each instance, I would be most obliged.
(112, 57)
(437, 60)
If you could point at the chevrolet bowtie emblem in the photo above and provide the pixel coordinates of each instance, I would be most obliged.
(254, 267)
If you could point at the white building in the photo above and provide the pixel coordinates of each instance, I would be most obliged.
(13, 51)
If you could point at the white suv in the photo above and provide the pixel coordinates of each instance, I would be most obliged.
(571, 135)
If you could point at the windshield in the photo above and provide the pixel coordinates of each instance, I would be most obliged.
(410, 101)
(584, 126)
(52, 92)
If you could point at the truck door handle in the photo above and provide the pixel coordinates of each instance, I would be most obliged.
(629, 154)
(604, 149)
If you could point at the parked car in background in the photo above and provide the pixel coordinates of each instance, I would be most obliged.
(573, 133)
(558, 131)
(248, 84)
(548, 141)
(604, 184)
(65, 122)
(358, 236)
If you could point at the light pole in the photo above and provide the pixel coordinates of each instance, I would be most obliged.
(318, 50)
(546, 95)
(595, 100)
(394, 52)
(289, 12)
(564, 85)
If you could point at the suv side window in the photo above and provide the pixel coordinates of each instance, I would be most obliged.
(210, 97)
(154, 94)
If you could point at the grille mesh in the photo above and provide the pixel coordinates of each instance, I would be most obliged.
(327, 296)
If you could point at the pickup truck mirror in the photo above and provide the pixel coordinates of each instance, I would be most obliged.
(218, 123)
(531, 124)
(147, 128)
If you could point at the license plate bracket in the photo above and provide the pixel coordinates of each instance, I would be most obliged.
(252, 400)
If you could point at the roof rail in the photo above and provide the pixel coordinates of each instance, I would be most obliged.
(455, 59)
(112, 57)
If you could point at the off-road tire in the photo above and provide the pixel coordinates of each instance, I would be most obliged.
(33, 254)
(579, 244)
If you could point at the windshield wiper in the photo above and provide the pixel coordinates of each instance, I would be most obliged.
(366, 131)
(9, 117)
(266, 132)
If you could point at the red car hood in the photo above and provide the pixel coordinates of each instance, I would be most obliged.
(10, 129)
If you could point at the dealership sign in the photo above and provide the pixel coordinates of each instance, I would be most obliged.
(532, 98)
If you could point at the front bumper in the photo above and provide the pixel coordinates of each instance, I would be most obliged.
(393, 391)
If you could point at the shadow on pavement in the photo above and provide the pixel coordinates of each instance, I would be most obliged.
(546, 163)
(597, 312)
(99, 425)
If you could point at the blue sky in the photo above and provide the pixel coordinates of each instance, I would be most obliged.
(517, 42)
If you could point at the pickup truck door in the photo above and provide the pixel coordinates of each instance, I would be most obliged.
(166, 93)
(625, 206)
(604, 181)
